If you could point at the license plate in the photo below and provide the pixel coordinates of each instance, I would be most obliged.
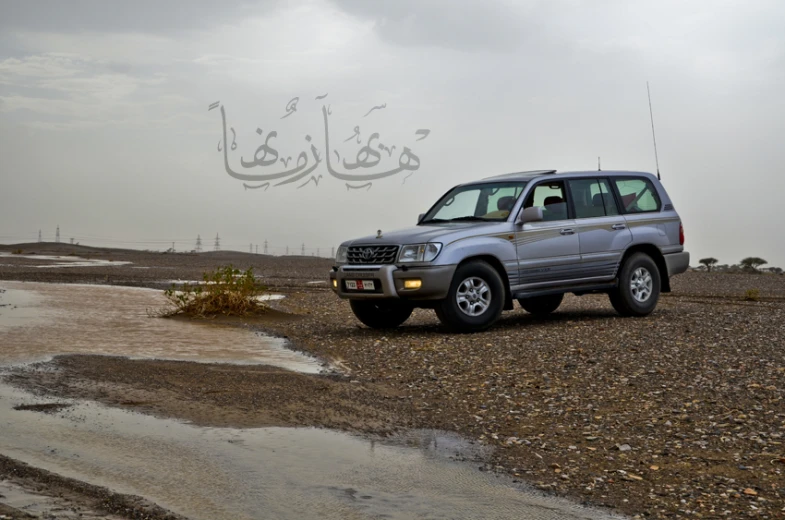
(360, 285)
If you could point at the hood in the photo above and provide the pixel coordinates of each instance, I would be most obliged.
(444, 233)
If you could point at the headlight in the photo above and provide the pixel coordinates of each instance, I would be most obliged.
(340, 256)
(419, 252)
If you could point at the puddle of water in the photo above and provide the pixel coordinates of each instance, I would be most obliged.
(66, 261)
(38, 320)
(282, 473)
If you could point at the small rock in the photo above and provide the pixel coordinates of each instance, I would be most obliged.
(750, 491)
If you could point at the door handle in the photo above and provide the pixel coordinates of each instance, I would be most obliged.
(618, 226)
(567, 231)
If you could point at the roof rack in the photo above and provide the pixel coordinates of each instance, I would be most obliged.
(520, 174)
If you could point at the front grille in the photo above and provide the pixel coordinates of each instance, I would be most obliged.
(372, 254)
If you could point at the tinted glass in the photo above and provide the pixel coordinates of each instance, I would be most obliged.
(609, 201)
(592, 198)
(637, 195)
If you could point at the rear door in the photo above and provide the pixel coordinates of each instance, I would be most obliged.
(602, 231)
(548, 251)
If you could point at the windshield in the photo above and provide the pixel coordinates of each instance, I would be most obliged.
(492, 201)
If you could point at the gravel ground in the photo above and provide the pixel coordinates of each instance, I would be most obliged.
(676, 415)
(153, 269)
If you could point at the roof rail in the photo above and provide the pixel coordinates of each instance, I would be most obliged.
(526, 173)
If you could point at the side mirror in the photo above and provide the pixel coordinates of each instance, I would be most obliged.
(420, 217)
(533, 214)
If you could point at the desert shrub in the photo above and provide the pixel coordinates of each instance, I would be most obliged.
(227, 291)
(16, 252)
(752, 295)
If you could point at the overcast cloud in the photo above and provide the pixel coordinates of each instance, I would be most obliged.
(105, 128)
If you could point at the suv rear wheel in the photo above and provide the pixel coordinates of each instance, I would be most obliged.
(381, 314)
(638, 289)
(541, 305)
(475, 298)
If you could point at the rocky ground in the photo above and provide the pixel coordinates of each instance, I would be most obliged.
(676, 415)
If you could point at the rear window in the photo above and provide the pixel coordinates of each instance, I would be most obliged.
(637, 195)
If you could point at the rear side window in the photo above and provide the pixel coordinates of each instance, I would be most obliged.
(592, 198)
(637, 195)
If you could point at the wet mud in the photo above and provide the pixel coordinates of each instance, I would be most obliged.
(281, 473)
(213, 421)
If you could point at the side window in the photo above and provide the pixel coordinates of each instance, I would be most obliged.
(592, 198)
(551, 197)
(611, 209)
(637, 195)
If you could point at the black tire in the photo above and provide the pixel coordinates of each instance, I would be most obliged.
(541, 305)
(381, 314)
(626, 297)
(485, 290)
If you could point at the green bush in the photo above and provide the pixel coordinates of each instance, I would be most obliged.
(226, 291)
(752, 295)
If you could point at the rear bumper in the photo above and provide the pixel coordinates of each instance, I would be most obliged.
(390, 279)
(677, 262)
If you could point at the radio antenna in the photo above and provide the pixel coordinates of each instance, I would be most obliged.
(653, 136)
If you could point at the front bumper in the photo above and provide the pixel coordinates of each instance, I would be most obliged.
(677, 262)
(389, 281)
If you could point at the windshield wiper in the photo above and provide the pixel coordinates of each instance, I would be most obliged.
(433, 220)
(469, 218)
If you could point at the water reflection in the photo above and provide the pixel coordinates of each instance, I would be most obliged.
(38, 320)
(281, 473)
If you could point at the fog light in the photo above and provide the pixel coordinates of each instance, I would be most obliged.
(335, 283)
(412, 284)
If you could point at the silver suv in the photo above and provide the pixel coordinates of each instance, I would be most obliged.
(530, 237)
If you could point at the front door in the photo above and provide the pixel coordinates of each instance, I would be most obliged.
(601, 229)
(548, 251)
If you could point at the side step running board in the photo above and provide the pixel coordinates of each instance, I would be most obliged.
(578, 290)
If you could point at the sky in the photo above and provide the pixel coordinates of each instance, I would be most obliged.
(107, 130)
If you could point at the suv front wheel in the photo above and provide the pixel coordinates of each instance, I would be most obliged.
(381, 314)
(638, 289)
(475, 299)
